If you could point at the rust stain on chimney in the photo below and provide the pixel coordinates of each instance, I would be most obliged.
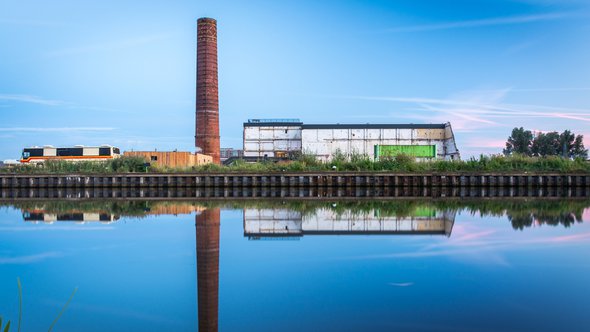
(207, 110)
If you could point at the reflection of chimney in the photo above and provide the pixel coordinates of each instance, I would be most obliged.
(207, 112)
(207, 224)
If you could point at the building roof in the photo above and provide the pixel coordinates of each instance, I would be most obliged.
(296, 122)
(374, 126)
(276, 123)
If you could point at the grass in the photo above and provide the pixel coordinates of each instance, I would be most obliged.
(20, 309)
(306, 163)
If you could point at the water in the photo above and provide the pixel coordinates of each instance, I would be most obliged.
(292, 265)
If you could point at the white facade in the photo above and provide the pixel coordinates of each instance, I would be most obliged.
(280, 139)
(275, 141)
(284, 222)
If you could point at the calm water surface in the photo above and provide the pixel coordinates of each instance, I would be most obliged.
(403, 265)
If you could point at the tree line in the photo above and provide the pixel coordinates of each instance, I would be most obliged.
(566, 144)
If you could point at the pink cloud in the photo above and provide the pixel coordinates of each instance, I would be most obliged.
(571, 238)
(485, 143)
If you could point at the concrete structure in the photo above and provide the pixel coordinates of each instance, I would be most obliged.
(226, 153)
(207, 103)
(171, 158)
(284, 138)
(285, 222)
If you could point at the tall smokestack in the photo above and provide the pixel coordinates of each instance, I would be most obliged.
(207, 125)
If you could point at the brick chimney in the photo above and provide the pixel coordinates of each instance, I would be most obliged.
(207, 108)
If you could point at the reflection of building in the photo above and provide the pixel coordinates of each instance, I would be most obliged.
(207, 226)
(284, 222)
(285, 138)
(175, 209)
(81, 217)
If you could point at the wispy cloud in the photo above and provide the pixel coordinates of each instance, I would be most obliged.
(570, 89)
(32, 99)
(494, 21)
(401, 284)
(30, 258)
(91, 48)
(485, 143)
(55, 129)
(471, 110)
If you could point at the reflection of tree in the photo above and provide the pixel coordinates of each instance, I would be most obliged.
(561, 218)
(521, 212)
(525, 213)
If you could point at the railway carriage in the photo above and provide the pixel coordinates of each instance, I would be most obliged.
(76, 153)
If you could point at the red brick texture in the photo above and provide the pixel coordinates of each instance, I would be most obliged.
(207, 225)
(207, 110)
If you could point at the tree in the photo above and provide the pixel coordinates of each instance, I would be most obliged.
(578, 150)
(520, 142)
(566, 144)
(546, 144)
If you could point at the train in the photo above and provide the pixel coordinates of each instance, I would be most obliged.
(38, 154)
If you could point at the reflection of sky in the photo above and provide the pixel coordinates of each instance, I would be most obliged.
(140, 274)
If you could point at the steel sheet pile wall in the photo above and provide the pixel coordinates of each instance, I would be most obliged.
(207, 108)
(294, 180)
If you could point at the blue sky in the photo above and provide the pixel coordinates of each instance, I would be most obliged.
(123, 72)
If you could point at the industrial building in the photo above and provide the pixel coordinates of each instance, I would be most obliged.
(226, 153)
(285, 138)
(171, 158)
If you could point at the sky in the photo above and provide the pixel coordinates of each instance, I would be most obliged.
(123, 72)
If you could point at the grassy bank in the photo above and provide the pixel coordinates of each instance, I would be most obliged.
(401, 164)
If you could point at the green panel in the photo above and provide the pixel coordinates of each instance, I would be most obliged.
(424, 211)
(421, 211)
(419, 151)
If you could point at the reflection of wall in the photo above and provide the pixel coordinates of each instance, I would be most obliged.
(277, 222)
(207, 226)
(174, 209)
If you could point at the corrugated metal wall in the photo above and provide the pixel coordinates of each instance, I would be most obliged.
(271, 140)
(172, 158)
